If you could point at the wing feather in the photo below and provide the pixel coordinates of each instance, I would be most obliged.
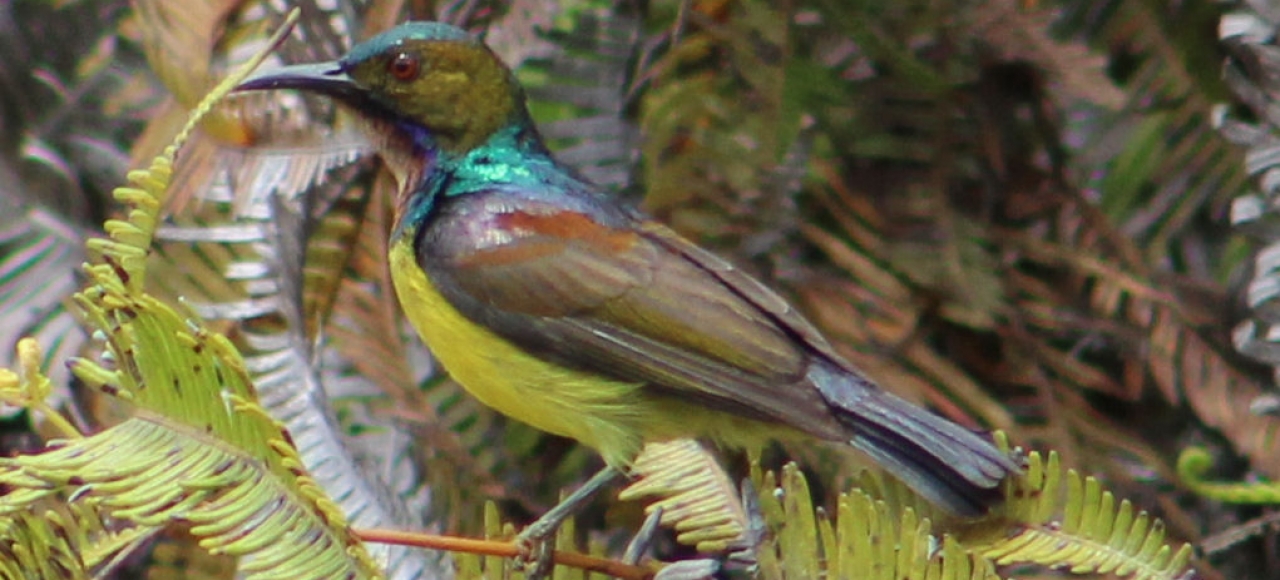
(632, 302)
(598, 289)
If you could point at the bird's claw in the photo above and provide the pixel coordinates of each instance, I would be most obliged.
(535, 552)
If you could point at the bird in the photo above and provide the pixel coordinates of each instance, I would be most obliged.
(554, 302)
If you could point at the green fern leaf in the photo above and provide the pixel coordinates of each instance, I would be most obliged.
(868, 538)
(1194, 465)
(200, 450)
(1094, 534)
(696, 496)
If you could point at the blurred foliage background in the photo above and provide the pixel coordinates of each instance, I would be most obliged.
(1017, 213)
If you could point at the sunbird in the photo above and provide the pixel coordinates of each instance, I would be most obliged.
(553, 302)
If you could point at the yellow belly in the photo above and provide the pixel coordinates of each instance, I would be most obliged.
(604, 414)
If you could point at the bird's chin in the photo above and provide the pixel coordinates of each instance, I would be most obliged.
(407, 149)
(404, 153)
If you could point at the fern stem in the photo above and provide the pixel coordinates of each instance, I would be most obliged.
(500, 548)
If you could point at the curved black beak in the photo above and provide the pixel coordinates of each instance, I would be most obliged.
(324, 78)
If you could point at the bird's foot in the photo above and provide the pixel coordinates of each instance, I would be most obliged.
(535, 551)
(535, 545)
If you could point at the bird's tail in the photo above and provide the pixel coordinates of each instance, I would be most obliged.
(947, 464)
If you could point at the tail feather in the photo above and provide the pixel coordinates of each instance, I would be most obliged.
(947, 464)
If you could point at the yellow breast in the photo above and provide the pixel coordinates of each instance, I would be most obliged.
(598, 412)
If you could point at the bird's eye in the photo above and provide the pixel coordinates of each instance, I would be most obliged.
(403, 66)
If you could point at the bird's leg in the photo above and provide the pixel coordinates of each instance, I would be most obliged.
(534, 539)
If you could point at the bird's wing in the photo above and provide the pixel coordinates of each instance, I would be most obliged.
(634, 302)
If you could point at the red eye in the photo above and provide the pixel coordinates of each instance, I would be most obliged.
(403, 66)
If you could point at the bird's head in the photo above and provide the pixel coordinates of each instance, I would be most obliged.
(430, 81)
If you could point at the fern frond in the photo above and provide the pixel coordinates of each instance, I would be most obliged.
(1094, 534)
(200, 450)
(1164, 167)
(877, 532)
(1194, 465)
(221, 466)
(38, 255)
(31, 389)
(866, 538)
(1019, 32)
(39, 543)
(1251, 76)
(53, 540)
(580, 95)
(695, 495)
(178, 41)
